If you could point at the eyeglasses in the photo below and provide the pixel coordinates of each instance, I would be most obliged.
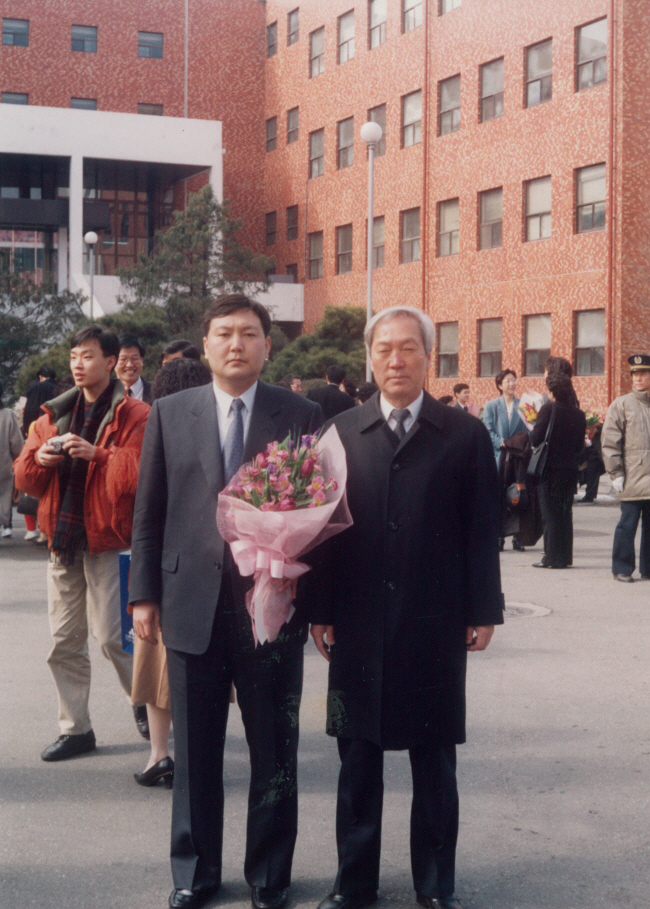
(134, 361)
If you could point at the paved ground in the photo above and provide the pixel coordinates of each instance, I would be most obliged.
(555, 791)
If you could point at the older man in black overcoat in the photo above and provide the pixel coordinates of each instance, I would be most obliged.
(397, 618)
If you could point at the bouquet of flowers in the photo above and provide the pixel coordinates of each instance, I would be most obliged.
(594, 420)
(530, 405)
(275, 509)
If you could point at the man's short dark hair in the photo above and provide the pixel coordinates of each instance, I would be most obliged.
(127, 341)
(335, 374)
(47, 372)
(445, 399)
(498, 379)
(179, 374)
(559, 365)
(561, 387)
(460, 386)
(186, 348)
(107, 340)
(227, 304)
(366, 391)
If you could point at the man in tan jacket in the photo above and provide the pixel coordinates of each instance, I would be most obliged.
(626, 453)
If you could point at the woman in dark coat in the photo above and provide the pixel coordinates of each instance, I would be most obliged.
(558, 483)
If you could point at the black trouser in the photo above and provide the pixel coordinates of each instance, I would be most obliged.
(434, 818)
(268, 680)
(623, 560)
(556, 493)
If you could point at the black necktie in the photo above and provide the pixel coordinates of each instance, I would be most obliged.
(129, 393)
(400, 417)
(233, 449)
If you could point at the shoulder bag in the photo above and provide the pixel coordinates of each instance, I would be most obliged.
(537, 463)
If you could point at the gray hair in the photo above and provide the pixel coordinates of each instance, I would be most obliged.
(394, 312)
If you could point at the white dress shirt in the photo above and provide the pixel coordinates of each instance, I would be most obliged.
(414, 409)
(224, 413)
(137, 389)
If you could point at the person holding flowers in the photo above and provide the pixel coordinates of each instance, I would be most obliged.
(185, 578)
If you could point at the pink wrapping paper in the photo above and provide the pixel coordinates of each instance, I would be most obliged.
(268, 544)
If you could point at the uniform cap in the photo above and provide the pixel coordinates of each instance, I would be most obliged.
(638, 362)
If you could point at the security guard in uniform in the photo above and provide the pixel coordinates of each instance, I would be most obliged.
(626, 453)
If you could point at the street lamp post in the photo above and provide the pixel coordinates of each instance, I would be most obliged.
(90, 239)
(371, 134)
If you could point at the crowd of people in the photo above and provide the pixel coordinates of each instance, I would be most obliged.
(115, 461)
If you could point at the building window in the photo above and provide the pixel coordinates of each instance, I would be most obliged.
(490, 219)
(492, 90)
(590, 342)
(378, 115)
(271, 133)
(539, 73)
(293, 26)
(84, 38)
(15, 98)
(592, 55)
(292, 125)
(411, 15)
(292, 222)
(344, 249)
(446, 6)
(538, 209)
(155, 109)
(84, 103)
(316, 153)
(489, 347)
(448, 215)
(410, 235)
(150, 44)
(537, 344)
(346, 37)
(272, 39)
(317, 52)
(377, 242)
(345, 143)
(292, 271)
(15, 32)
(377, 14)
(271, 227)
(447, 349)
(449, 105)
(316, 255)
(591, 189)
(411, 119)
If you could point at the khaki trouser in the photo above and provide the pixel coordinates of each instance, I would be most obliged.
(82, 597)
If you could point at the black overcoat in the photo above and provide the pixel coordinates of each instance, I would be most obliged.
(419, 564)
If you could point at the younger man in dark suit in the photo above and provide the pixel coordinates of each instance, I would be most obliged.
(330, 397)
(182, 575)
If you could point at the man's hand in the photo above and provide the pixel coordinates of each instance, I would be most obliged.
(146, 620)
(618, 484)
(319, 633)
(79, 448)
(477, 637)
(45, 457)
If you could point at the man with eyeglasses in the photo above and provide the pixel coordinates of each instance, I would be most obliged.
(129, 368)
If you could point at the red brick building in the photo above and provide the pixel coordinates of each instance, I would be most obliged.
(510, 189)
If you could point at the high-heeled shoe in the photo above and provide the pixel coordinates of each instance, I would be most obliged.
(161, 774)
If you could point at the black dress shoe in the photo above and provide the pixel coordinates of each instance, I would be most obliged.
(446, 902)
(517, 545)
(354, 901)
(540, 565)
(142, 720)
(625, 578)
(502, 543)
(191, 899)
(66, 746)
(161, 773)
(268, 898)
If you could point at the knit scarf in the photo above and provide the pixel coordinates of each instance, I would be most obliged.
(70, 533)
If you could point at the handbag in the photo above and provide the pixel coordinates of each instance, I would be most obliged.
(516, 498)
(27, 504)
(537, 463)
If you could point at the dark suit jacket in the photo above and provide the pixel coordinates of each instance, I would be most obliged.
(567, 438)
(146, 391)
(419, 564)
(331, 399)
(177, 553)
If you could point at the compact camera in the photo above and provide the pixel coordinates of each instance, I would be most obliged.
(57, 442)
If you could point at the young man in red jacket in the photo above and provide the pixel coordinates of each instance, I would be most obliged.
(86, 484)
